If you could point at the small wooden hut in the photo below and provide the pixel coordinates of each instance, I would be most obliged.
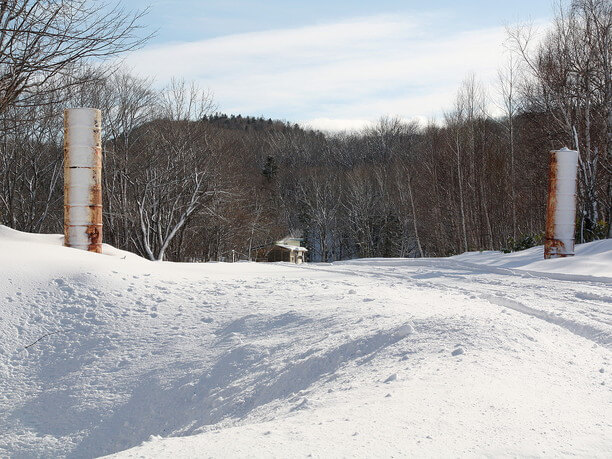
(288, 249)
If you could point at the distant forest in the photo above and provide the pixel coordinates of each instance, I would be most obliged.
(183, 182)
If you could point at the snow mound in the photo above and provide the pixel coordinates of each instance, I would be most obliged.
(114, 354)
(29, 246)
(10, 235)
(591, 259)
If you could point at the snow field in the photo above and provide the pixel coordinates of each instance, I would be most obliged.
(278, 360)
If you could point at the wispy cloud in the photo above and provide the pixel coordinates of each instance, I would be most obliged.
(347, 73)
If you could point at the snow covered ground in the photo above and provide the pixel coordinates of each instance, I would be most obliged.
(479, 354)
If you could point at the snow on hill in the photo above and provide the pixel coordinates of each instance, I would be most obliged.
(480, 354)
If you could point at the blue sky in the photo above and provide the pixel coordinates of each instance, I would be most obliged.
(330, 64)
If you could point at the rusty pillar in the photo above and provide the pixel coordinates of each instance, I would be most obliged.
(83, 179)
(561, 209)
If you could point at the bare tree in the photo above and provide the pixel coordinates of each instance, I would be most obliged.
(454, 122)
(175, 170)
(40, 39)
(319, 198)
(128, 103)
(508, 82)
(408, 164)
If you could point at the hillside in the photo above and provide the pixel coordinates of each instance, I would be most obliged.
(479, 354)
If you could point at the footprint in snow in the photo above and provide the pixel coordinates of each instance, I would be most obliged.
(457, 351)
(63, 286)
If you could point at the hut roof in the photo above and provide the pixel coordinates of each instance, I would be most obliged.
(291, 247)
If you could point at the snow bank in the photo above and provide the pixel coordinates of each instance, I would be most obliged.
(8, 236)
(27, 247)
(113, 354)
(591, 259)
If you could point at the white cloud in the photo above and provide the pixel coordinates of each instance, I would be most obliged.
(342, 74)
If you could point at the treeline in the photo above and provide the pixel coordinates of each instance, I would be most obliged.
(183, 182)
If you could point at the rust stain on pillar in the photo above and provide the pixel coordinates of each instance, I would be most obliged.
(551, 244)
(83, 179)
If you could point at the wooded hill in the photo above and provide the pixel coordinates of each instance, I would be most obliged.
(182, 182)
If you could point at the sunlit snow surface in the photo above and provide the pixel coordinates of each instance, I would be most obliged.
(480, 354)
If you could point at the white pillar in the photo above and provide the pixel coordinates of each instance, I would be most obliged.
(83, 179)
(561, 210)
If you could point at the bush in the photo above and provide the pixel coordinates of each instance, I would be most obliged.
(525, 241)
(587, 231)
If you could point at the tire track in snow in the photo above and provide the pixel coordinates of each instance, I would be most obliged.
(584, 330)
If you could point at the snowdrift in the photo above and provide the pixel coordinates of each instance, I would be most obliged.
(593, 259)
(469, 355)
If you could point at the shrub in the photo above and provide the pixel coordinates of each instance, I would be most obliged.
(525, 241)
